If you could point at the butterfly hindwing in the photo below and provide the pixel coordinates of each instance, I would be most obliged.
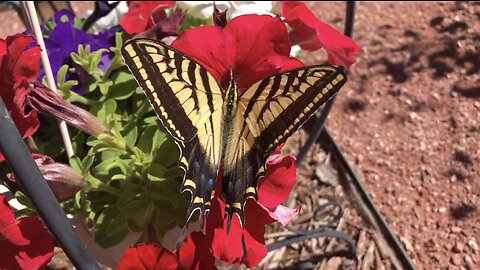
(188, 102)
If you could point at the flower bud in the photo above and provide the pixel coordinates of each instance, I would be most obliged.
(44, 100)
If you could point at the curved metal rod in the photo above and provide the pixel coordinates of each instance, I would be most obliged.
(317, 129)
(316, 234)
(37, 190)
(329, 213)
(323, 231)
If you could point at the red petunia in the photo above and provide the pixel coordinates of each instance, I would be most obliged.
(272, 190)
(312, 34)
(253, 47)
(18, 66)
(25, 243)
(193, 254)
(142, 15)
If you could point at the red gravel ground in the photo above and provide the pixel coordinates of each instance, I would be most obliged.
(408, 121)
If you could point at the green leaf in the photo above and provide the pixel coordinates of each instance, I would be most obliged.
(76, 164)
(105, 87)
(102, 235)
(107, 165)
(105, 110)
(129, 192)
(165, 217)
(124, 85)
(117, 60)
(87, 162)
(156, 172)
(22, 199)
(167, 191)
(145, 143)
(130, 132)
(168, 153)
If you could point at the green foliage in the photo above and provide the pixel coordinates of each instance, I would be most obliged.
(131, 174)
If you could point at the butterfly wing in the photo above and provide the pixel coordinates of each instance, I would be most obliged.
(188, 102)
(268, 113)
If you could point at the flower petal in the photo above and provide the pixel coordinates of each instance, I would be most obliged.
(195, 253)
(253, 46)
(260, 46)
(148, 257)
(212, 53)
(9, 229)
(138, 17)
(225, 247)
(312, 34)
(278, 181)
(25, 243)
(39, 251)
(17, 67)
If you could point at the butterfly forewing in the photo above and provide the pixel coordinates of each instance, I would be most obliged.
(188, 101)
(277, 106)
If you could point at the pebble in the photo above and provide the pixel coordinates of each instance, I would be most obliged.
(456, 229)
(469, 262)
(473, 245)
(406, 243)
(442, 210)
(456, 259)
(458, 247)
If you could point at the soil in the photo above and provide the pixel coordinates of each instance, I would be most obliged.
(408, 121)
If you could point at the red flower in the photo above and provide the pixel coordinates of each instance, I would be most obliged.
(193, 254)
(25, 243)
(18, 66)
(312, 34)
(253, 46)
(142, 15)
(272, 190)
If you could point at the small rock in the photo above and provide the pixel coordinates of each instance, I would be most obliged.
(442, 210)
(469, 262)
(456, 259)
(406, 243)
(458, 247)
(456, 229)
(473, 245)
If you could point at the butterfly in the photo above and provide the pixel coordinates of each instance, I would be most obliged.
(218, 129)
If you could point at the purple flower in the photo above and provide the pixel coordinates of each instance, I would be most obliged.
(65, 38)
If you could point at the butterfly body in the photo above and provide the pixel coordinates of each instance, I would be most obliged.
(220, 129)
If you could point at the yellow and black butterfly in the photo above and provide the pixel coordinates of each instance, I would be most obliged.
(218, 128)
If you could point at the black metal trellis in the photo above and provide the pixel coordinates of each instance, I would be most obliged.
(28, 175)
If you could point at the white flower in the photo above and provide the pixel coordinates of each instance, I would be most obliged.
(111, 19)
(204, 9)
